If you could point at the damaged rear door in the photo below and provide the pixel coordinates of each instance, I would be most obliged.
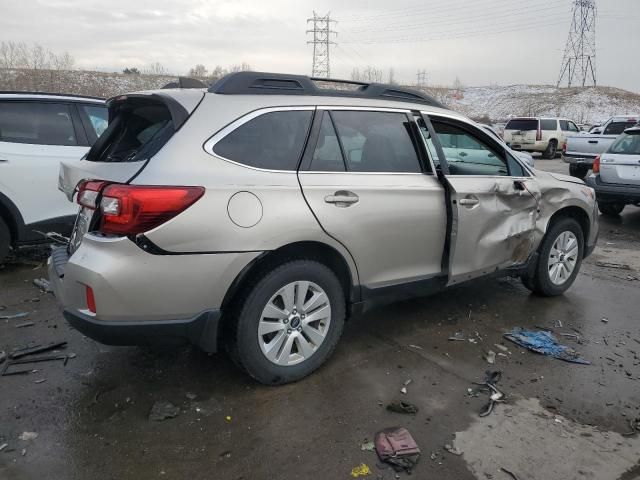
(494, 200)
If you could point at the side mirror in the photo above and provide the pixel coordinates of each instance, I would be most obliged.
(596, 131)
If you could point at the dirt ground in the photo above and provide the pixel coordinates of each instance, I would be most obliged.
(561, 420)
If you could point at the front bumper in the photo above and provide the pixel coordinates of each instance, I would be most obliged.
(613, 192)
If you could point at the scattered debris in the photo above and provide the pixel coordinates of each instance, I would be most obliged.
(43, 284)
(407, 382)
(545, 343)
(162, 410)
(635, 427)
(42, 380)
(511, 474)
(491, 378)
(452, 450)
(25, 436)
(55, 236)
(228, 418)
(457, 337)
(604, 320)
(415, 346)
(619, 266)
(15, 315)
(360, 470)
(501, 347)
(3, 356)
(403, 390)
(367, 446)
(191, 396)
(23, 352)
(490, 357)
(25, 324)
(3, 446)
(402, 407)
(397, 447)
(25, 361)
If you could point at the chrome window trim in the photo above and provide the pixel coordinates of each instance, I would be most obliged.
(222, 133)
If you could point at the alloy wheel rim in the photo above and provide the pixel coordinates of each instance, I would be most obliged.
(294, 323)
(563, 258)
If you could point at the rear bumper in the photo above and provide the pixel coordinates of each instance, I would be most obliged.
(538, 146)
(578, 159)
(201, 330)
(611, 192)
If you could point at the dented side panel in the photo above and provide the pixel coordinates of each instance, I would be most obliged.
(495, 226)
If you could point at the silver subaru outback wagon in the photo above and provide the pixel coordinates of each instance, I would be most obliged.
(262, 212)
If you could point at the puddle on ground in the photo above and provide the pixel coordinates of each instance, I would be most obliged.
(536, 444)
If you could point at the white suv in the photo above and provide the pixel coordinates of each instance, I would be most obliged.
(543, 135)
(37, 131)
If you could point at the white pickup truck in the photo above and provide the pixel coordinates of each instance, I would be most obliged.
(580, 151)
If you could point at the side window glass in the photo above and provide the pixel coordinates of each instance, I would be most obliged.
(36, 123)
(549, 124)
(573, 127)
(467, 154)
(515, 169)
(376, 141)
(98, 118)
(272, 141)
(327, 157)
(564, 125)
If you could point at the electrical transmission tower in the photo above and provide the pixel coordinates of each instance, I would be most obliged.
(321, 41)
(579, 61)
(422, 78)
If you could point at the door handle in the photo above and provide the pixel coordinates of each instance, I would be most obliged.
(468, 202)
(462, 154)
(342, 198)
(593, 141)
(4, 160)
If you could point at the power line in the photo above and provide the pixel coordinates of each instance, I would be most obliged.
(321, 41)
(579, 60)
(421, 77)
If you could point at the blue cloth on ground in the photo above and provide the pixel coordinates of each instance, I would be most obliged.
(545, 343)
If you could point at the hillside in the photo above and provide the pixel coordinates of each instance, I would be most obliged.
(584, 105)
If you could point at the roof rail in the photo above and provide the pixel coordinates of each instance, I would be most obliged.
(186, 82)
(27, 92)
(261, 83)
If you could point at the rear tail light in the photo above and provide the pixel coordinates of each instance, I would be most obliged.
(596, 164)
(134, 209)
(91, 300)
(564, 147)
(539, 133)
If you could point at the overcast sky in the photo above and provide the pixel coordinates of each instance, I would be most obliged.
(481, 42)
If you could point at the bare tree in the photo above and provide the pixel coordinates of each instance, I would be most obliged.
(243, 67)
(131, 71)
(62, 61)
(368, 74)
(392, 77)
(13, 55)
(218, 72)
(155, 68)
(198, 71)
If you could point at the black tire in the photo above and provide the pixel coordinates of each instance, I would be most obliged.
(540, 283)
(552, 149)
(243, 333)
(578, 171)
(611, 209)
(5, 239)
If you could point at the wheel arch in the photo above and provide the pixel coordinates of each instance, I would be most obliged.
(12, 217)
(307, 250)
(578, 214)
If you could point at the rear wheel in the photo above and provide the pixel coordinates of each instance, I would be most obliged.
(560, 259)
(611, 209)
(552, 149)
(578, 171)
(290, 322)
(5, 239)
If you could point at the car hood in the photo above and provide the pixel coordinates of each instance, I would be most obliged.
(566, 178)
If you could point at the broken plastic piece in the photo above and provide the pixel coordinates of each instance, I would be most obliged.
(15, 315)
(545, 343)
(397, 447)
(402, 407)
(360, 470)
(162, 410)
(43, 284)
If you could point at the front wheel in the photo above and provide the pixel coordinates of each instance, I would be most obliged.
(611, 209)
(5, 240)
(290, 322)
(559, 261)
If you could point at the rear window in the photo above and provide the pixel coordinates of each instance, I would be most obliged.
(627, 144)
(616, 128)
(138, 130)
(548, 124)
(36, 123)
(522, 124)
(273, 141)
(98, 117)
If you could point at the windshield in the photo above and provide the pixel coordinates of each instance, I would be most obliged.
(627, 144)
(522, 124)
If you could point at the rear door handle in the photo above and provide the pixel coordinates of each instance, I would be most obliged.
(593, 141)
(342, 198)
(468, 202)
(4, 160)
